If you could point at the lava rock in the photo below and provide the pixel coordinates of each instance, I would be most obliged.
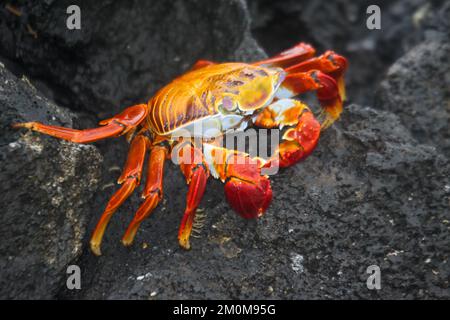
(341, 26)
(369, 195)
(121, 55)
(124, 51)
(417, 89)
(45, 190)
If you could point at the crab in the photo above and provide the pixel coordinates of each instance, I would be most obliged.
(218, 97)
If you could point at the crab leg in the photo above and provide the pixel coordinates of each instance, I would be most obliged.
(115, 126)
(326, 90)
(129, 179)
(330, 63)
(298, 53)
(299, 141)
(300, 58)
(196, 173)
(153, 191)
(305, 73)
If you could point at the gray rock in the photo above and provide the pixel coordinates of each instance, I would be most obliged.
(369, 195)
(341, 26)
(417, 89)
(125, 50)
(114, 61)
(45, 191)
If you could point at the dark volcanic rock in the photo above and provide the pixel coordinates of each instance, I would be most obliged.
(370, 194)
(341, 26)
(417, 88)
(124, 51)
(45, 187)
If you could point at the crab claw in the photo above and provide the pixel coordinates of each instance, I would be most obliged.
(249, 199)
(247, 191)
(298, 142)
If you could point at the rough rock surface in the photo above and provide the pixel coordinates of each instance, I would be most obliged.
(373, 192)
(46, 185)
(125, 50)
(369, 195)
(417, 88)
(341, 26)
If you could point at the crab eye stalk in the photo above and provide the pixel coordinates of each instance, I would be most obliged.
(280, 75)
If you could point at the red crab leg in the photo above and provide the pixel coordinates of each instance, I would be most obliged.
(294, 55)
(129, 179)
(247, 191)
(299, 141)
(330, 63)
(326, 90)
(196, 174)
(153, 191)
(115, 126)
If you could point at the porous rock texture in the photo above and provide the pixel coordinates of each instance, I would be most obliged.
(374, 192)
(417, 88)
(45, 190)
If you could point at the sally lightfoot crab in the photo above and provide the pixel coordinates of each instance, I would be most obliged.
(217, 97)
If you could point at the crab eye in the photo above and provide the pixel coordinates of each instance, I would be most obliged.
(227, 105)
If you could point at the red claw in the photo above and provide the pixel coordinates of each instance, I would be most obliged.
(298, 142)
(249, 199)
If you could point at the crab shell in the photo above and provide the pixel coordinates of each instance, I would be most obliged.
(212, 100)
